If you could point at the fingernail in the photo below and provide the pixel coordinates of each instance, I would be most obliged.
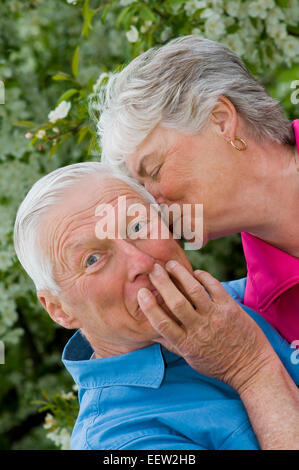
(198, 271)
(171, 264)
(157, 270)
(143, 295)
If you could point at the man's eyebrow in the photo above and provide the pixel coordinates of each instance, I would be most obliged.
(79, 243)
(70, 248)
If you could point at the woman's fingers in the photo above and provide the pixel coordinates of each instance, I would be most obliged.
(174, 299)
(193, 289)
(159, 319)
(214, 288)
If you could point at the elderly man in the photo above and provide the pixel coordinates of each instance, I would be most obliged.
(133, 392)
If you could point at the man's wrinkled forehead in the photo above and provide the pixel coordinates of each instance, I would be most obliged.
(79, 205)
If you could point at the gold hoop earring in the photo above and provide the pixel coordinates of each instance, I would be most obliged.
(237, 146)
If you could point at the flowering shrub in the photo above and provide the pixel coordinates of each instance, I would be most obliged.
(55, 57)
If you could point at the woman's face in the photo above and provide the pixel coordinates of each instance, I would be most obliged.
(191, 169)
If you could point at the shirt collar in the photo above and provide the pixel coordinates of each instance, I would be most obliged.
(271, 270)
(141, 368)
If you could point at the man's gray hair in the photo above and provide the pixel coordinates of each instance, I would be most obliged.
(44, 195)
(178, 85)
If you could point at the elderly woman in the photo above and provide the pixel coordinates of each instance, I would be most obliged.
(192, 124)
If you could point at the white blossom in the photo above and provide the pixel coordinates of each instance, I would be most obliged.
(41, 134)
(132, 34)
(60, 112)
(233, 8)
(214, 27)
(256, 10)
(292, 12)
(277, 30)
(166, 33)
(8, 312)
(13, 336)
(146, 26)
(235, 43)
(6, 259)
(193, 5)
(68, 396)
(61, 438)
(275, 15)
(290, 46)
(207, 13)
(28, 135)
(217, 5)
(268, 3)
(49, 422)
(197, 32)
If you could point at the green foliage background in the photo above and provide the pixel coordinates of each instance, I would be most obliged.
(53, 51)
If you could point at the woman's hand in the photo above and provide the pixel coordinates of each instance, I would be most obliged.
(206, 326)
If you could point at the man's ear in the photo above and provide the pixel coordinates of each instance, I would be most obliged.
(224, 117)
(54, 308)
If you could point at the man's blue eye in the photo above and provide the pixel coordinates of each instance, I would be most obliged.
(137, 227)
(93, 259)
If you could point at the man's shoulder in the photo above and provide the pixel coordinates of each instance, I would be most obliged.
(188, 410)
(236, 288)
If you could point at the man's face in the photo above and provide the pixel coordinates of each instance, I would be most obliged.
(100, 278)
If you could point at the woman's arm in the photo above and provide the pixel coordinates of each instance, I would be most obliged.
(217, 338)
(271, 400)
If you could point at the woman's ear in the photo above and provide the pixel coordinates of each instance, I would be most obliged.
(225, 119)
(54, 308)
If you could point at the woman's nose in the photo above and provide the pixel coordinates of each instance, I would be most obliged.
(154, 189)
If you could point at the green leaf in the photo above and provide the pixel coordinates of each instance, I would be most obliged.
(146, 14)
(67, 95)
(61, 76)
(233, 28)
(123, 16)
(85, 29)
(24, 124)
(82, 133)
(293, 29)
(53, 149)
(105, 12)
(88, 13)
(282, 3)
(92, 145)
(86, 10)
(75, 62)
(44, 394)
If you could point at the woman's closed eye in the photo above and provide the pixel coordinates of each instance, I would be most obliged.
(155, 173)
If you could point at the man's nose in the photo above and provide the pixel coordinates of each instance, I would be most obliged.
(138, 262)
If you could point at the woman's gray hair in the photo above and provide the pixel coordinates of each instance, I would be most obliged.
(178, 85)
(44, 195)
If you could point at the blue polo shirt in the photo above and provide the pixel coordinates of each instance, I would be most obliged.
(152, 399)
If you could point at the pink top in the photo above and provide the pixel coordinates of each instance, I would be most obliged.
(272, 287)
